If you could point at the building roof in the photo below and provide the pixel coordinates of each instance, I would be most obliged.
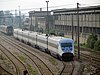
(75, 9)
(39, 13)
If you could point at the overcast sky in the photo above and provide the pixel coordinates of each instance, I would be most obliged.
(27, 4)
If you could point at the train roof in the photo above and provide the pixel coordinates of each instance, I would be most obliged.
(17, 29)
(51, 37)
(58, 38)
(55, 38)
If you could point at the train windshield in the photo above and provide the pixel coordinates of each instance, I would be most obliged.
(66, 44)
(66, 47)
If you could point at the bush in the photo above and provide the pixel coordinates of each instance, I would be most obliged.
(97, 45)
(88, 40)
(91, 40)
(52, 33)
(61, 34)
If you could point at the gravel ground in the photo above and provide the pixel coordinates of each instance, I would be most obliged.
(2, 72)
(6, 64)
(89, 69)
(86, 68)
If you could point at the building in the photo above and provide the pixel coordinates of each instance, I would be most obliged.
(38, 20)
(8, 18)
(89, 21)
(26, 24)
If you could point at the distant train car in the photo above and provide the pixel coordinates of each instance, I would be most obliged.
(62, 48)
(6, 29)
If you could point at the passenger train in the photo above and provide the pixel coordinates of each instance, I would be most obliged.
(6, 29)
(62, 48)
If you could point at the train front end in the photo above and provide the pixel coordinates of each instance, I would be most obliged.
(67, 49)
(9, 30)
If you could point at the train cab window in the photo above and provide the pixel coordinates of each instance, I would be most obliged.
(66, 44)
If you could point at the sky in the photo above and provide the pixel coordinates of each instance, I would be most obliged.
(32, 4)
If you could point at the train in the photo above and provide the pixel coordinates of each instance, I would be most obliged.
(60, 47)
(6, 29)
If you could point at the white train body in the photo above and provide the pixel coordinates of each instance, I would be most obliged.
(59, 46)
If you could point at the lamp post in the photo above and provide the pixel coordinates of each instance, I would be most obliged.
(47, 19)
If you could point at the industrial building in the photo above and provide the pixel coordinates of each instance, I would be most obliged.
(63, 20)
(89, 21)
(38, 20)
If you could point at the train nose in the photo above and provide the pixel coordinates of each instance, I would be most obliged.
(67, 56)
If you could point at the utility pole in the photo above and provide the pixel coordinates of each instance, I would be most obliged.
(15, 12)
(12, 21)
(47, 19)
(31, 24)
(78, 31)
(72, 28)
(47, 24)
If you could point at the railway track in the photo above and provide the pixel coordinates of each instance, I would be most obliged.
(93, 59)
(19, 66)
(4, 71)
(90, 50)
(39, 63)
(68, 68)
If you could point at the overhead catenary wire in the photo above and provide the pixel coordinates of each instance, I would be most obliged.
(57, 6)
(26, 11)
(41, 7)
